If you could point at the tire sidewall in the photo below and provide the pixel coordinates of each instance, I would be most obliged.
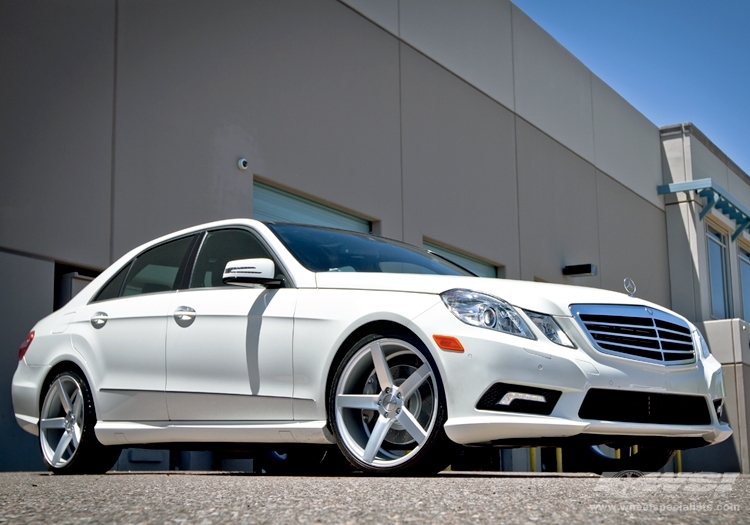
(90, 456)
(428, 460)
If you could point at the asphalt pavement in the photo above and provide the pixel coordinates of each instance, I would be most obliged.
(219, 497)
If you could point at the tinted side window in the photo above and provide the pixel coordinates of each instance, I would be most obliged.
(112, 289)
(156, 270)
(218, 249)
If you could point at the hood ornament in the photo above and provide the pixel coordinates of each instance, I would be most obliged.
(629, 285)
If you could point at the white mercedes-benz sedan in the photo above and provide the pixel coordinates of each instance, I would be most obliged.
(241, 333)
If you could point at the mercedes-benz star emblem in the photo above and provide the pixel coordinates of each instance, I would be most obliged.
(629, 285)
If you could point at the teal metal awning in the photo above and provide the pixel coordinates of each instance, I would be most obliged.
(716, 197)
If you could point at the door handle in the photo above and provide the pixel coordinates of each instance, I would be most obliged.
(99, 319)
(184, 316)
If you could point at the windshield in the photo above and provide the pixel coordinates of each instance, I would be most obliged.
(328, 250)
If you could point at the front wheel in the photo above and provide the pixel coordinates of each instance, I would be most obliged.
(66, 429)
(387, 407)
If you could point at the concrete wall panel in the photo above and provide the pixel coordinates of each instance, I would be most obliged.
(673, 159)
(24, 301)
(633, 234)
(57, 63)
(307, 92)
(459, 165)
(681, 240)
(739, 188)
(626, 143)
(553, 88)
(558, 212)
(382, 12)
(706, 165)
(472, 39)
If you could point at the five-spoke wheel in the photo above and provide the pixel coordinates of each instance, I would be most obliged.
(387, 408)
(66, 428)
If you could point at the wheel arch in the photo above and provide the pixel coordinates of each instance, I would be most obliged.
(371, 327)
(65, 363)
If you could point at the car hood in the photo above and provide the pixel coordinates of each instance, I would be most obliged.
(554, 299)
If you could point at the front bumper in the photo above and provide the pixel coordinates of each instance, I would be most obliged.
(492, 357)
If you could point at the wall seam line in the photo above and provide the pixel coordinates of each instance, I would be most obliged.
(401, 126)
(113, 144)
(515, 140)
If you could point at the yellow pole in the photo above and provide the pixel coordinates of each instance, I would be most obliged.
(678, 460)
(617, 453)
(635, 450)
(558, 458)
(532, 459)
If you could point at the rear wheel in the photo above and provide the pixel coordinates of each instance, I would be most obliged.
(387, 407)
(66, 429)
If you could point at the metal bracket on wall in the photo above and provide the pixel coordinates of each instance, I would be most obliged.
(716, 197)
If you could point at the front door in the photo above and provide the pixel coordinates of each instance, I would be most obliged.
(229, 348)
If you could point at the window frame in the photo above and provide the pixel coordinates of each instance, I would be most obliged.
(186, 262)
(743, 257)
(716, 235)
(468, 262)
(288, 281)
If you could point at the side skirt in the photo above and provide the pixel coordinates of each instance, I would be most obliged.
(132, 433)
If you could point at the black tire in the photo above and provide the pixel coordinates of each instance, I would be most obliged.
(415, 396)
(647, 458)
(66, 428)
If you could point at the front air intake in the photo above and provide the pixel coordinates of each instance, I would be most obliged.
(506, 397)
(644, 407)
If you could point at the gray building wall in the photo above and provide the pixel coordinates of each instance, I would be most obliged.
(463, 123)
(26, 291)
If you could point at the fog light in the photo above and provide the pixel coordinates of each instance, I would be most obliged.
(512, 396)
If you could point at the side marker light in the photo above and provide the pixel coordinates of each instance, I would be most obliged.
(449, 343)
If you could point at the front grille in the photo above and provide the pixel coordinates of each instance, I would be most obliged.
(637, 332)
(493, 395)
(644, 407)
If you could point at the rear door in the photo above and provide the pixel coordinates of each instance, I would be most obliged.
(124, 329)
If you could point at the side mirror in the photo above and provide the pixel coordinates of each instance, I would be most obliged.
(250, 271)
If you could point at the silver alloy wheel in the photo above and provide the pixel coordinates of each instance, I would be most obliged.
(386, 403)
(61, 422)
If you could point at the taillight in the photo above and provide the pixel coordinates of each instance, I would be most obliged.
(25, 345)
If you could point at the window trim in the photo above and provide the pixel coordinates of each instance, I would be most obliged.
(288, 279)
(460, 258)
(179, 277)
(743, 257)
(314, 213)
(723, 245)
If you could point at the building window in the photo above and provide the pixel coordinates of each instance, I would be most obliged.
(275, 205)
(745, 283)
(480, 268)
(718, 274)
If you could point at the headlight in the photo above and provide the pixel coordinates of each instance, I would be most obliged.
(705, 352)
(550, 328)
(485, 311)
